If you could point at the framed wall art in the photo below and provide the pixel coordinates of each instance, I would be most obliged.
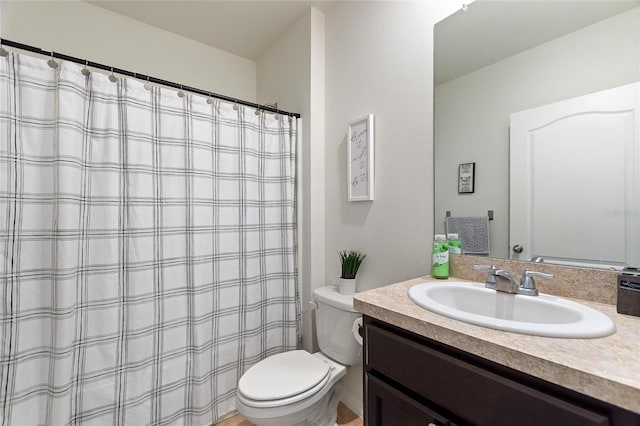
(360, 159)
(466, 178)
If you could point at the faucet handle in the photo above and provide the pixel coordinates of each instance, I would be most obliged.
(491, 277)
(528, 283)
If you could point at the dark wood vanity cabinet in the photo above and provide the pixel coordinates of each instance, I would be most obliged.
(412, 380)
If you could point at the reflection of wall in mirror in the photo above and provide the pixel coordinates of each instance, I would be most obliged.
(472, 111)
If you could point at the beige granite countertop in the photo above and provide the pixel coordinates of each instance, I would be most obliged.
(606, 368)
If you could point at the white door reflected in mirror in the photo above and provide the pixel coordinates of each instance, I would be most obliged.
(572, 164)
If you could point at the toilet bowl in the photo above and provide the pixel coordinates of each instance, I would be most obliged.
(308, 400)
(300, 388)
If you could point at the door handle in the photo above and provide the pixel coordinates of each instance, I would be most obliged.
(518, 248)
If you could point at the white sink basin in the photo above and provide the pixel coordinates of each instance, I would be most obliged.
(541, 315)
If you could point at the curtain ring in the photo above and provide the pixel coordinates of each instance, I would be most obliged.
(52, 62)
(85, 71)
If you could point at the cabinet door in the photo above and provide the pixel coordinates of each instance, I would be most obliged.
(386, 406)
(472, 393)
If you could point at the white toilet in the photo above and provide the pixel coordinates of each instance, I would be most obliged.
(299, 388)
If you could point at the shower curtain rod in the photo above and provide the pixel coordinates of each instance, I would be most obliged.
(5, 42)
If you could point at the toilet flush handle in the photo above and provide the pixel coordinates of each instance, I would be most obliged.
(314, 304)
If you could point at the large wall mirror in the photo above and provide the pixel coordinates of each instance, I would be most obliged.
(543, 97)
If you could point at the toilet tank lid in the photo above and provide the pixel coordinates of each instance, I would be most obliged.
(330, 296)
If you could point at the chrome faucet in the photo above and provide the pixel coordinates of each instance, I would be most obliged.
(501, 280)
(505, 282)
(498, 279)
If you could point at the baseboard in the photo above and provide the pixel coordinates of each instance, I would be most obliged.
(353, 403)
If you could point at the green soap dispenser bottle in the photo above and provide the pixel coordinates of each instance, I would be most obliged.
(440, 259)
(454, 244)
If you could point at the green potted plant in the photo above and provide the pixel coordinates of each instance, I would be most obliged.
(350, 261)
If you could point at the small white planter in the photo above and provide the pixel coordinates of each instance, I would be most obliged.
(347, 286)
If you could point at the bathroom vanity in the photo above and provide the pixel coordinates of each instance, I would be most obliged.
(425, 369)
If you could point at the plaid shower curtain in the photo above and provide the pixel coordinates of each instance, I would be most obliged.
(147, 249)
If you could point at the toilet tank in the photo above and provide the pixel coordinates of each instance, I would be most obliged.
(334, 320)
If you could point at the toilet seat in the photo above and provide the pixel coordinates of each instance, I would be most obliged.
(283, 379)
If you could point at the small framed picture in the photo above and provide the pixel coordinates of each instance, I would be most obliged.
(360, 159)
(466, 178)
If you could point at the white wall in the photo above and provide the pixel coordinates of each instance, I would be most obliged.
(379, 60)
(86, 31)
(472, 111)
(291, 73)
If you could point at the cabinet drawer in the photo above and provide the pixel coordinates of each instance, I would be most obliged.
(476, 395)
(388, 406)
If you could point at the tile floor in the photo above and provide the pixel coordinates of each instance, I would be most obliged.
(346, 417)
